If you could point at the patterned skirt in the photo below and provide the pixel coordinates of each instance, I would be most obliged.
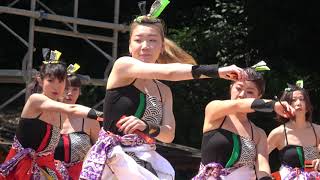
(215, 171)
(289, 173)
(107, 159)
(26, 163)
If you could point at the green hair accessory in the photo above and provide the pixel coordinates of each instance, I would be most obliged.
(51, 57)
(157, 7)
(299, 83)
(261, 66)
(72, 68)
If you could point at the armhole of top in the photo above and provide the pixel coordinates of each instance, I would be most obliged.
(224, 119)
(252, 137)
(60, 121)
(132, 82)
(158, 90)
(285, 133)
(315, 134)
(82, 125)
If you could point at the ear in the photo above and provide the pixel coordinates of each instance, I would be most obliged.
(40, 82)
(130, 50)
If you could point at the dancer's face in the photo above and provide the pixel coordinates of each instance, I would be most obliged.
(146, 43)
(52, 87)
(71, 95)
(298, 102)
(245, 89)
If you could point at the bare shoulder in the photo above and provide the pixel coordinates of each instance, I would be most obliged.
(276, 137)
(277, 131)
(259, 133)
(125, 61)
(316, 126)
(213, 104)
(37, 98)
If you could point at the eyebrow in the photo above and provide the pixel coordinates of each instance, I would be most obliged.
(152, 35)
(251, 88)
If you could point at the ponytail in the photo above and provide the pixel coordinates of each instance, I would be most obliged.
(34, 86)
(174, 54)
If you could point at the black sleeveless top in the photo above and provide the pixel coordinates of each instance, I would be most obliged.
(73, 147)
(37, 134)
(227, 148)
(127, 101)
(295, 155)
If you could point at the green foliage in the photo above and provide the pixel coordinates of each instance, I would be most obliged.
(217, 34)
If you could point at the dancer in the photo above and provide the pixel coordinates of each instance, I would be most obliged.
(77, 134)
(37, 134)
(297, 139)
(233, 148)
(136, 101)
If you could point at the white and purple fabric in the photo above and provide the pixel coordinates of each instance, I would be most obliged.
(107, 159)
(289, 173)
(215, 171)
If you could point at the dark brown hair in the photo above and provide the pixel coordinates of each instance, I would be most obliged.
(55, 70)
(256, 78)
(74, 80)
(288, 96)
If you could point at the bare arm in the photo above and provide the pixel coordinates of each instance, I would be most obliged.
(273, 139)
(262, 162)
(217, 109)
(131, 68)
(125, 69)
(94, 129)
(38, 103)
(167, 129)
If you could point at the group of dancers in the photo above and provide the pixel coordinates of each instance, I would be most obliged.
(59, 139)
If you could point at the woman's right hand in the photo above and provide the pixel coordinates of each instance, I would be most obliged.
(129, 124)
(284, 109)
(233, 73)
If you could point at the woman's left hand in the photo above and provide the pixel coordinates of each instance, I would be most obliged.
(284, 109)
(129, 124)
(233, 73)
(316, 164)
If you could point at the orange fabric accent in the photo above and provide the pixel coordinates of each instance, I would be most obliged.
(276, 175)
(21, 171)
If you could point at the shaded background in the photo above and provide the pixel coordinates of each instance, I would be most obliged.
(284, 33)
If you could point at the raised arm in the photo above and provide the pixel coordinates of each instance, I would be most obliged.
(128, 68)
(41, 103)
(217, 109)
